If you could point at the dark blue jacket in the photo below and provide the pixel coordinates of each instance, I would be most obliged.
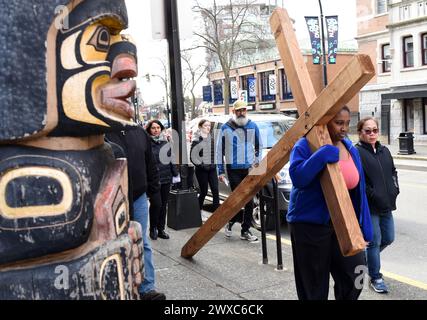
(307, 203)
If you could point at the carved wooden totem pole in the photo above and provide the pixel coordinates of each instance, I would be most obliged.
(64, 214)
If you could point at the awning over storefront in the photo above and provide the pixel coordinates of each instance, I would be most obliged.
(406, 92)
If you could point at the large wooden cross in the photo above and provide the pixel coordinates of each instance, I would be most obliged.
(315, 112)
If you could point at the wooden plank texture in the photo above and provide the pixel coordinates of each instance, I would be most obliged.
(329, 101)
(334, 189)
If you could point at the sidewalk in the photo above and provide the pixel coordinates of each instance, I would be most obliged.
(417, 161)
(232, 269)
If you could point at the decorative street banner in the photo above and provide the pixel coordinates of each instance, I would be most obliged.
(207, 93)
(314, 30)
(272, 84)
(332, 29)
(252, 87)
(233, 90)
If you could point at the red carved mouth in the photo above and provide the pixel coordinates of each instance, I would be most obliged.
(114, 97)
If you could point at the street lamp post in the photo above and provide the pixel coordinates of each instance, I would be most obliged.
(165, 83)
(325, 75)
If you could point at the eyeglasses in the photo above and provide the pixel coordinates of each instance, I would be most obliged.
(369, 132)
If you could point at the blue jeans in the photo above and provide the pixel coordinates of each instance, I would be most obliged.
(383, 227)
(140, 207)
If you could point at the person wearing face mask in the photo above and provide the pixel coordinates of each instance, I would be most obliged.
(160, 144)
(315, 248)
(382, 188)
(202, 155)
(239, 143)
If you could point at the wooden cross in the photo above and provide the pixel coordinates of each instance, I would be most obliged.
(315, 112)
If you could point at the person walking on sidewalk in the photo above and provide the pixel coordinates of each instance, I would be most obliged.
(315, 249)
(202, 155)
(382, 188)
(239, 142)
(143, 180)
(160, 143)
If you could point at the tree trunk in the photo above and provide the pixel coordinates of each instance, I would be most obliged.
(193, 105)
(226, 92)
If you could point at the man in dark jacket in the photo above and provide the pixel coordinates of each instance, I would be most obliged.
(143, 177)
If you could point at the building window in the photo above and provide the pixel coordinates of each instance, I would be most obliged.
(422, 8)
(267, 86)
(424, 49)
(381, 6)
(385, 57)
(405, 12)
(286, 88)
(218, 97)
(408, 52)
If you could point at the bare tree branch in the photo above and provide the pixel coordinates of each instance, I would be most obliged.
(228, 31)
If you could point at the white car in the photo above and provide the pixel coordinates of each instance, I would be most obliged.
(272, 128)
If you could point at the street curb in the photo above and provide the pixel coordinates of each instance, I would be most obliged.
(410, 167)
(405, 157)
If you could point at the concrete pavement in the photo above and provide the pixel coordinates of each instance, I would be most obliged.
(232, 269)
(417, 161)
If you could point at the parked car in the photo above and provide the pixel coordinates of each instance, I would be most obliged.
(272, 128)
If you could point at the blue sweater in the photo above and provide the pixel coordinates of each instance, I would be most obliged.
(307, 203)
(239, 145)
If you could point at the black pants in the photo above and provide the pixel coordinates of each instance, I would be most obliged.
(316, 254)
(205, 177)
(235, 176)
(158, 205)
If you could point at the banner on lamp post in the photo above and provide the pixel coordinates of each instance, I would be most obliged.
(207, 93)
(332, 29)
(314, 31)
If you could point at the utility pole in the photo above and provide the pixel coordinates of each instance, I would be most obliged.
(175, 71)
(165, 83)
(184, 211)
(325, 75)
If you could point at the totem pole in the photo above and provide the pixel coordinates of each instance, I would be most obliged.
(64, 214)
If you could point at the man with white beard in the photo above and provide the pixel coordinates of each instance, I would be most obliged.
(239, 143)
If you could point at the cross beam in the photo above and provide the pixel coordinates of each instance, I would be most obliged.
(317, 110)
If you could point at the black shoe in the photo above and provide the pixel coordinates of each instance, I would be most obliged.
(152, 295)
(153, 234)
(162, 234)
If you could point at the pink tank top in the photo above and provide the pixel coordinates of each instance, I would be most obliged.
(349, 172)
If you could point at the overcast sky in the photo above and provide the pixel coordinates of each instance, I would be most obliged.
(140, 21)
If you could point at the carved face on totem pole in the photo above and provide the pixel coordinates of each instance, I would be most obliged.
(65, 72)
(65, 68)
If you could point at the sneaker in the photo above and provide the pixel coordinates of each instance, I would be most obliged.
(248, 236)
(152, 295)
(379, 286)
(228, 232)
